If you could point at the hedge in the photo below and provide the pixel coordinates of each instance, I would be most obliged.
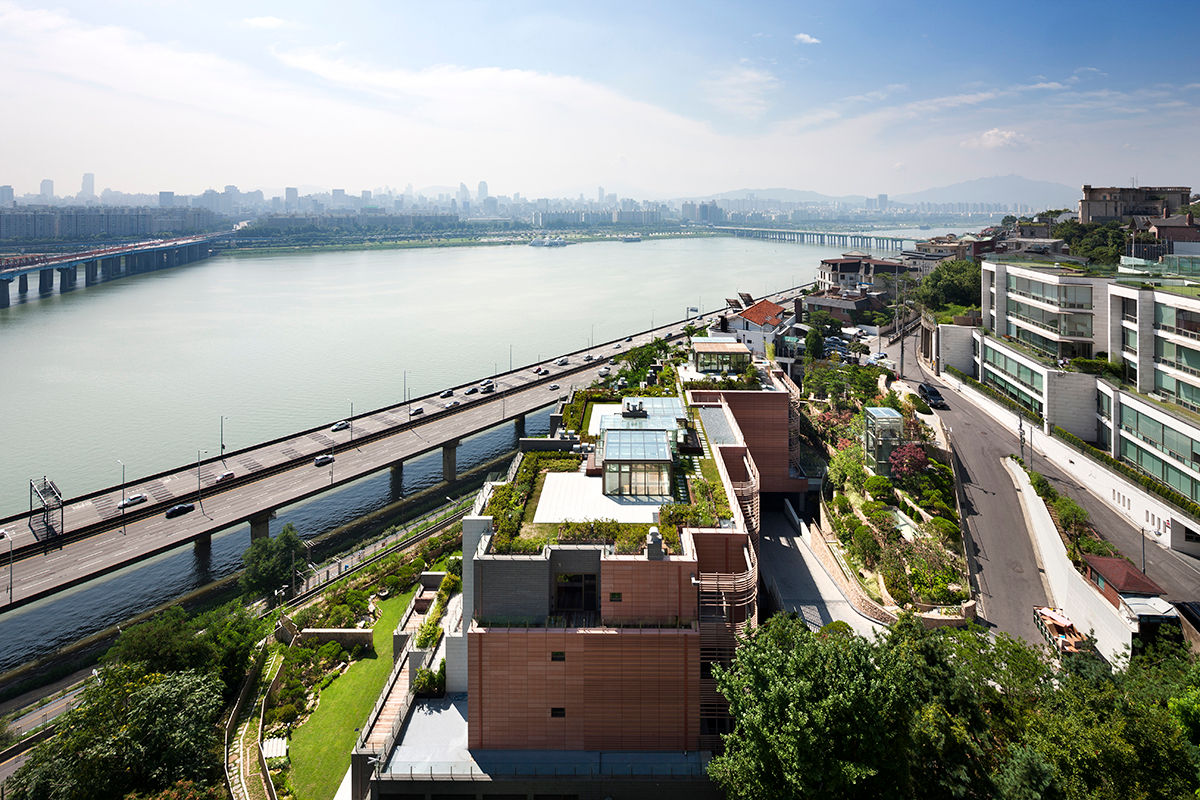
(1140, 478)
(1002, 399)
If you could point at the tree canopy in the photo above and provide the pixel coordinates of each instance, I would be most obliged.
(133, 731)
(269, 562)
(951, 714)
(956, 282)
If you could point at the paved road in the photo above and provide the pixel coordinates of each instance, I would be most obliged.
(802, 583)
(1010, 583)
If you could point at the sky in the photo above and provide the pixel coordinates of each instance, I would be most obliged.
(648, 99)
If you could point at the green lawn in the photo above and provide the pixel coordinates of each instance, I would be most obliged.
(320, 748)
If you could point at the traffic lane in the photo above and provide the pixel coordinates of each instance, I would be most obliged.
(1177, 573)
(1009, 579)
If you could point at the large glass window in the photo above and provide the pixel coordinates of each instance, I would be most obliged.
(1129, 340)
(1014, 368)
(1177, 320)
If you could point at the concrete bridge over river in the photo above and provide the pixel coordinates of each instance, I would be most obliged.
(826, 238)
(100, 265)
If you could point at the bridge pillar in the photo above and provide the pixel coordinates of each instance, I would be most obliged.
(66, 279)
(397, 480)
(23, 283)
(260, 525)
(519, 423)
(4, 282)
(46, 281)
(203, 544)
(449, 460)
(90, 271)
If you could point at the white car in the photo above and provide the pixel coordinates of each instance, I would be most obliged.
(340, 426)
(132, 500)
(554, 387)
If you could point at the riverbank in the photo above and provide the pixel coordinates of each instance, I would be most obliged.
(499, 240)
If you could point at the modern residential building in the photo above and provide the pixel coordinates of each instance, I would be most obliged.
(1105, 203)
(1145, 415)
(583, 668)
(966, 247)
(755, 326)
(860, 272)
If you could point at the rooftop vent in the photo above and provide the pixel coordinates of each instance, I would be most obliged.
(654, 548)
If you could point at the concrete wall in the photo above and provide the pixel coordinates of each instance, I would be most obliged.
(954, 348)
(622, 689)
(512, 588)
(1074, 594)
(1071, 402)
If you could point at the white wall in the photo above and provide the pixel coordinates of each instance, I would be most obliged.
(1071, 592)
(954, 348)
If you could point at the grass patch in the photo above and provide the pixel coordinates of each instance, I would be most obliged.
(320, 748)
(539, 483)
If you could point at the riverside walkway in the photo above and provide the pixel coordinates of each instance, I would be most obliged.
(89, 536)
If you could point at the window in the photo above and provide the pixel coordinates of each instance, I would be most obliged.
(614, 597)
(1190, 535)
(558, 712)
(558, 655)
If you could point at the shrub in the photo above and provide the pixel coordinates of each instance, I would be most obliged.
(895, 579)
(1071, 516)
(841, 504)
(455, 567)
(943, 529)
(908, 461)
(879, 487)
(1043, 487)
(836, 628)
(865, 546)
(920, 406)
(285, 714)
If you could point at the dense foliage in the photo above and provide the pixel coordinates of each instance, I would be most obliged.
(951, 714)
(1100, 242)
(269, 562)
(956, 282)
(133, 731)
(218, 642)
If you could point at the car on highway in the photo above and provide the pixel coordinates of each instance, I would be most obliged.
(414, 411)
(491, 387)
(616, 345)
(562, 362)
(446, 393)
(629, 338)
(179, 510)
(543, 371)
(588, 357)
(340, 426)
(472, 390)
(931, 395)
(132, 500)
(452, 404)
(604, 371)
(227, 475)
(553, 387)
(322, 460)
(487, 382)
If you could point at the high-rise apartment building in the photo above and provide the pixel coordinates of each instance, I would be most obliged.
(291, 198)
(6, 196)
(87, 189)
(483, 191)
(166, 199)
(46, 194)
(882, 202)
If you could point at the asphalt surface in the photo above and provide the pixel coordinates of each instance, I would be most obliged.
(1008, 577)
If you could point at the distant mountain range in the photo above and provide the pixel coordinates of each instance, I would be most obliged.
(1005, 189)
(999, 189)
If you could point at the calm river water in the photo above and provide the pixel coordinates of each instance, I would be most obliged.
(142, 369)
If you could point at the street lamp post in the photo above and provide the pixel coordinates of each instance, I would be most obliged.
(510, 358)
(5, 534)
(199, 498)
(351, 422)
(122, 463)
(222, 437)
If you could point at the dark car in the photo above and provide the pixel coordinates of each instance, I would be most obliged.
(472, 390)
(180, 510)
(931, 396)
(491, 387)
(446, 393)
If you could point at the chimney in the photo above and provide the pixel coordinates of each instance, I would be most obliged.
(1166, 212)
(654, 548)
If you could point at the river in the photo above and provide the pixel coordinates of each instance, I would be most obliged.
(141, 370)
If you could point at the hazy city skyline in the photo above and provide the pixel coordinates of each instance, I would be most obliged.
(651, 102)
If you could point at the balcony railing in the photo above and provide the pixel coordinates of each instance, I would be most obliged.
(1177, 331)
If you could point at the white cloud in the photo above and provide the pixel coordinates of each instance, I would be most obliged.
(998, 139)
(742, 91)
(265, 23)
(804, 38)
(1046, 85)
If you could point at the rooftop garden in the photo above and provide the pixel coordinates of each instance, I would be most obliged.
(1078, 535)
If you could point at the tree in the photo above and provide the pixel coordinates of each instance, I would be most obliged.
(824, 323)
(269, 562)
(133, 731)
(814, 345)
(907, 461)
(184, 790)
(955, 282)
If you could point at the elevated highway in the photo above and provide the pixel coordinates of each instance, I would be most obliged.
(89, 536)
